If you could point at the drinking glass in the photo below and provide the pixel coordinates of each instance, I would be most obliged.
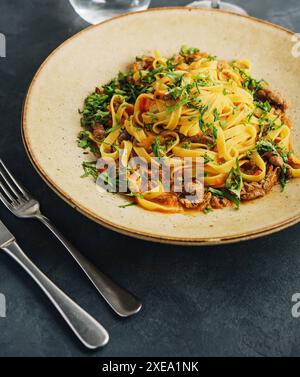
(217, 4)
(94, 11)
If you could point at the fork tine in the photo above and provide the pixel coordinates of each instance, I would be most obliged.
(7, 193)
(5, 202)
(17, 184)
(3, 178)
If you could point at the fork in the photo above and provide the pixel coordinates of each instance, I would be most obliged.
(19, 201)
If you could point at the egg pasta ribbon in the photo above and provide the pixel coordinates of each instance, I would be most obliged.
(193, 105)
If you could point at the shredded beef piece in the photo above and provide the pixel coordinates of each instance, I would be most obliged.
(206, 202)
(249, 168)
(252, 191)
(146, 63)
(124, 136)
(202, 139)
(274, 159)
(271, 179)
(178, 59)
(256, 190)
(190, 58)
(100, 91)
(289, 173)
(168, 199)
(193, 197)
(117, 106)
(98, 131)
(219, 203)
(274, 98)
(161, 95)
(287, 121)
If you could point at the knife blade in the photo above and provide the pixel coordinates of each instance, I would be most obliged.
(6, 238)
(90, 332)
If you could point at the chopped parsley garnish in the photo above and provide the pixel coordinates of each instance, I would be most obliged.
(284, 176)
(183, 101)
(90, 169)
(153, 117)
(214, 132)
(207, 159)
(85, 141)
(176, 92)
(249, 82)
(216, 115)
(265, 106)
(203, 110)
(207, 210)
(264, 146)
(188, 51)
(223, 193)
(186, 145)
(234, 182)
(265, 130)
(233, 187)
(95, 110)
(128, 205)
(158, 149)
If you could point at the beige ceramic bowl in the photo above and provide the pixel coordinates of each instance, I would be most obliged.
(94, 56)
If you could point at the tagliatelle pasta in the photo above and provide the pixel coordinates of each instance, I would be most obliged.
(195, 106)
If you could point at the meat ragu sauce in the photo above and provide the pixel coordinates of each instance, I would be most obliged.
(192, 105)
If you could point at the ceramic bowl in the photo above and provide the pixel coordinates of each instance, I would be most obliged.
(95, 55)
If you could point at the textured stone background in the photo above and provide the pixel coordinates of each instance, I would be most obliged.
(221, 301)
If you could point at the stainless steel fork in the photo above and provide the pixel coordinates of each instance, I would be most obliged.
(18, 200)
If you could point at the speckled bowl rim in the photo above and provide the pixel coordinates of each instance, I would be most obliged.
(120, 229)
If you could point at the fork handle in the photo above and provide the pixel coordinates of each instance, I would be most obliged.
(121, 301)
(86, 328)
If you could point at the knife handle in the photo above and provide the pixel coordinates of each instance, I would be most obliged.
(86, 328)
(121, 301)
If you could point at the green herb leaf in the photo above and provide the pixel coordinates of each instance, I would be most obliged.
(203, 110)
(186, 145)
(188, 51)
(207, 159)
(234, 182)
(265, 106)
(128, 205)
(216, 115)
(264, 146)
(284, 177)
(90, 169)
(85, 141)
(158, 149)
(214, 132)
(225, 194)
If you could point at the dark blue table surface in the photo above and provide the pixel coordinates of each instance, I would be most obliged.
(216, 301)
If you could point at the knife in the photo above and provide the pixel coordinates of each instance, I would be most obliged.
(90, 332)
